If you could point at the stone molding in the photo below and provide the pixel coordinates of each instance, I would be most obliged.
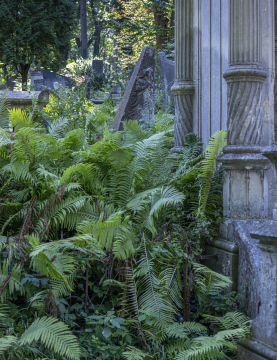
(183, 87)
(245, 72)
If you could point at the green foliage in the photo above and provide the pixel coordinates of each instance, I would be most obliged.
(37, 31)
(103, 230)
(54, 335)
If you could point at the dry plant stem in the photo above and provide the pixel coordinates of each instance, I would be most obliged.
(100, 209)
(186, 294)
(27, 224)
(51, 302)
(6, 281)
(86, 296)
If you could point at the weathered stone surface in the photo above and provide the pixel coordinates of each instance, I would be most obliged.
(23, 99)
(167, 70)
(41, 79)
(98, 66)
(227, 262)
(53, 84)
(139, 98)
(255, 350)
(115, 93)
(35, 75)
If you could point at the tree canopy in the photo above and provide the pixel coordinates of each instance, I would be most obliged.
(36, 31)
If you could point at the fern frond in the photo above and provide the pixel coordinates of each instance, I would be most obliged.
(209, 282)
(53, 334)
(135, 354)
(6, 342)
(203, 347)
(208, 166)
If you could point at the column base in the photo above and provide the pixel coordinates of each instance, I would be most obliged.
(256, 350)
(177, 150)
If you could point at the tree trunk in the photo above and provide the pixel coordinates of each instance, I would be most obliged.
(97, 38)
(97, 30)
(161, 23)
(172, 23)
(24, 74)
(84, 36)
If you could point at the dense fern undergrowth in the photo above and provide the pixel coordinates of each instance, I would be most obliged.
(100, 235)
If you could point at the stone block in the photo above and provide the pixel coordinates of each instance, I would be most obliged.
(139, 98)
(227, 262)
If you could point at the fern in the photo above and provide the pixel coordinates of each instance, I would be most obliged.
(208, 166)
(135, 354)
(6, 342)
(53, 334)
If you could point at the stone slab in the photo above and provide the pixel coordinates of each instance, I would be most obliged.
(255, 350)
(23, 99)
(167, 70)
(139, 98)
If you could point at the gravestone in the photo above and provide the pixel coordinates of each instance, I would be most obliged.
(41, 79)
(98, 66)
(35, 75)
(53, 84)
(115, 93)
(167, 70)
(23, 99)
(139, 98)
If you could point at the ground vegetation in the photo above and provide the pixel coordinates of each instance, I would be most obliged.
(101, 235)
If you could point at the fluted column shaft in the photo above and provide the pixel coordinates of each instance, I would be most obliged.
(183, 87)
(245, 74)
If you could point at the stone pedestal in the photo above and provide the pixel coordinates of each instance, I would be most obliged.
(263, 341)
(245, 189)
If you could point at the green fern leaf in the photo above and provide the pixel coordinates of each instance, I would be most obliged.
(53, 334)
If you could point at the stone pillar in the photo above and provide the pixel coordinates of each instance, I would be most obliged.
(250, 120)
(245, 74)
(263, 341)
(183, 87)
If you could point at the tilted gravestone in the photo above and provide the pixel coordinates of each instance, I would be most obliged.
(139, 98)
(167, 70)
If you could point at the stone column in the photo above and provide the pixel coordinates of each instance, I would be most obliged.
(263, 341)
(183, 87)
(245, 74)
(249, 109)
